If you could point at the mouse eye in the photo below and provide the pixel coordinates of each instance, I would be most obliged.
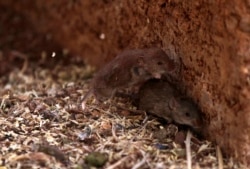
(159, 63)
(187, 114)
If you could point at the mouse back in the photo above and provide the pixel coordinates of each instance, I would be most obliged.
(154, 96)
(117, 72)
(129, 69)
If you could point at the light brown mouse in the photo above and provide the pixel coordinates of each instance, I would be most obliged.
(129, 69)
(162, 99)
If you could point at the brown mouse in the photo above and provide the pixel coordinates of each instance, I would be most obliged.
(162, 99)
(129, 69)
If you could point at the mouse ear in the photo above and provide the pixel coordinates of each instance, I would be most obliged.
(137, 71)
(172, 104)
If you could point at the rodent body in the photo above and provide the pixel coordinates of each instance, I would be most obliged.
(162, 99)
(130, 69)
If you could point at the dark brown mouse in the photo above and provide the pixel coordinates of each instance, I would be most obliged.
(129, 69)
(162, 99)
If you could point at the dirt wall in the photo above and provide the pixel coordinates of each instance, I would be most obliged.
(211, 38)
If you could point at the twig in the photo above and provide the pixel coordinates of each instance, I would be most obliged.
(140, 163)
(188, 150)
(220, 158)
(142, 128)
(113, 131)
(115, 165)
(127, 109)
(101, 110)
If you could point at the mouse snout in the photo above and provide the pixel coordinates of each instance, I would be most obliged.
(157, 75)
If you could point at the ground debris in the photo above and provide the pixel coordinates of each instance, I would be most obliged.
(44, 104)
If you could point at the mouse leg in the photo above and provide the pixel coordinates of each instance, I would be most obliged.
(111, 98)
(85, 98)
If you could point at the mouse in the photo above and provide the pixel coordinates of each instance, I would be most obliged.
(129, 70)
(163, 100)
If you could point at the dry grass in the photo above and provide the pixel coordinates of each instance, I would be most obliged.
(43, 126)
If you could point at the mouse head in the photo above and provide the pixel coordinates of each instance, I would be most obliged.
(184, 111)
(156, 62)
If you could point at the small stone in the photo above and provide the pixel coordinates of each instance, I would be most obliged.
(96, 159)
